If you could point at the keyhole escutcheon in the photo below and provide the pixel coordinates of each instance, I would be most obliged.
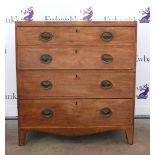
(76, 76)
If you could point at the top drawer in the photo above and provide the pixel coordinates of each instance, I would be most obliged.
(61, 36)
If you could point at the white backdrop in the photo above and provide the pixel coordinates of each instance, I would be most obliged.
(92, 10)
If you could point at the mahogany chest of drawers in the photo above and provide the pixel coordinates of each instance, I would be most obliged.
(75, 78)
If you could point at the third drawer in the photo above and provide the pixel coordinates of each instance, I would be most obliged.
(76, 83)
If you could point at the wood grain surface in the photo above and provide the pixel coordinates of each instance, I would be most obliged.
(75, 83)
(76, 23)
(76, 112)
(80, 36)
(76, 71)
(123, 57)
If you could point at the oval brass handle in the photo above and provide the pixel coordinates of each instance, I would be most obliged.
(46, 36)
(106, 84)
(46, 59)
(107, 36)
(46, 84)
(47, 113)
(106, 58)
(106, 112)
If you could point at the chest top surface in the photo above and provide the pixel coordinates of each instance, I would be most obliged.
(78, 23)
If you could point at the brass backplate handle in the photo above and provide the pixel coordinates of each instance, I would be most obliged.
(106, 112)
(106, 84)
(107, 36)
(47, 113)
(106, 58)
(46, 84)
(46, 58)
(46, 36)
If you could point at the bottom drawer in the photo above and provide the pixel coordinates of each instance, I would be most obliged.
(75, 112)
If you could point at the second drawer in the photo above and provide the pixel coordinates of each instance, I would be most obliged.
(105, 57)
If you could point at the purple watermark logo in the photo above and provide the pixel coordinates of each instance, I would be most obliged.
(143, 91)
(145, 15)
(28, 16)
(87, 14)
(28, 13)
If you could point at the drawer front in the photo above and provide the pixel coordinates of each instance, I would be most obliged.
(107, 57)
(75, 112)
(61, 36)
(76, 83)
